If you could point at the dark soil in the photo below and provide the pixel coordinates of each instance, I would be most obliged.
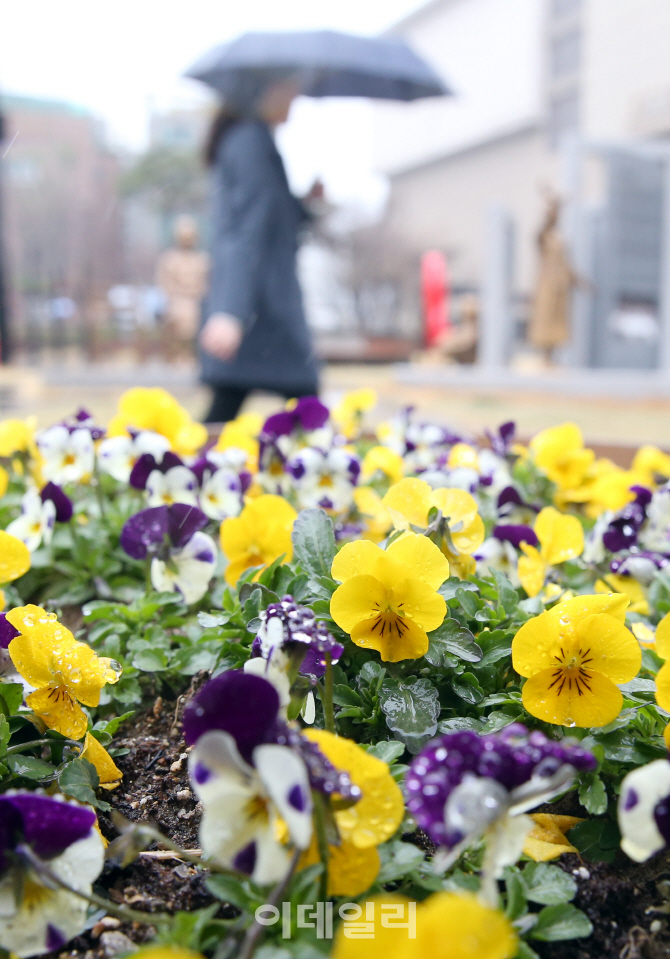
(628, 904)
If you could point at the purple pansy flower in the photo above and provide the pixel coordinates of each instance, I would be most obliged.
(516, 534)
(147, 463)
(503, 439)
(294, 630)
(61, 501)
(464, 785)
(183, 558)
(238, 766)
(62, 835)
(644, 810)
(623, 531)
(308, 414)
(7, 631)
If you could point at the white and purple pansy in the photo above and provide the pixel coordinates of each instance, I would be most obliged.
(183, 558)
(245, 779)
(35, 523)
(503, 439)
(283, 434)
(644, 810)
(83, 419)
(290, 639)
(464, 786)
(42, 835)
(117, 455)
(325, 479)
(223, 482)
(68, 455)
(499, 551)
(165, 480)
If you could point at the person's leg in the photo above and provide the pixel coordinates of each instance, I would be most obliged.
(226, 403)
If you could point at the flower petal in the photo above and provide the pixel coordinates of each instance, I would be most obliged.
(420, 558)
(641, 791)
(614, 650)
(662, 645)
(59, 711)
(284, 775)
(108, 772)
(562, 704)
(407, 641)
(663, 687)
(531, 569)
(357, 599)
(409, 503)
(420, 603)
(561, 536)
(351, 871)
(379, 812)
(355, 559)
(14, 557)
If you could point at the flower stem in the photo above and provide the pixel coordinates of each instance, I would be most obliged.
(114, 909)
(328, 707)
(321, 841)
(98, 489)
(147, 575)
(20, 747)
(255, 931)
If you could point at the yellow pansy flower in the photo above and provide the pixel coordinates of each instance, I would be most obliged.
(17, 436)
(63, 671)
(378, 521)
(547, 839)
(153, 408)
(561, 537)
(14, 560)
(449, 925)
(662, 649)
(605, 487)
(644, 634)
(108, 772)
(651, 463)
(573, 656)
(461, 455)
(388, 599)
(629, 587)
(559, 452)
(348, 413)
(258, 536)
(354, 864)
(410, 501)
(241, 433)
(384, 460)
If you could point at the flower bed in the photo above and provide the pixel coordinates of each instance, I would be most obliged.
(312, 689)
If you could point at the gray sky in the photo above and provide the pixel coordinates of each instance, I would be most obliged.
(121, 59)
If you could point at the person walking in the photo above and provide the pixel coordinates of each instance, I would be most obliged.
(255, 336)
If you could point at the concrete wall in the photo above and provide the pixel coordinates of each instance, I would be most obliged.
(444, 204)
(489, 51)
(626, 79)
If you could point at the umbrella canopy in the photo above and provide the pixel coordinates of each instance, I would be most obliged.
(330, 64)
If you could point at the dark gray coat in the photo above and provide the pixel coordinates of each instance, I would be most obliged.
(256, 222)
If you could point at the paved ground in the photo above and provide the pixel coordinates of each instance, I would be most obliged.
(612, 410)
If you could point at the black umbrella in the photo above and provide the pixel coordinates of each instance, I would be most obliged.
(329, 64)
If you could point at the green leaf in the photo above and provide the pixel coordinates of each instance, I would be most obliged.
(596, 839)
(80, 779)
(5, 733)
(29, 766)
(555, 923)
(593, 795)
(150, 660)
(451, 637)
(346, 696)
(212, 620)
(111, 726)
(411, 710)
(228, 889)
(468, 602)
(507, 595)
(525, 952)
(388, 750)
(516, 894)
(468, 688)
(548, 885)
(313, 539)
(12, 695)
(450, 586)
(398, 858)
(496, 644)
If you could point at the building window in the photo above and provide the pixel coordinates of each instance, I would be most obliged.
(565, 54)
(564, 110)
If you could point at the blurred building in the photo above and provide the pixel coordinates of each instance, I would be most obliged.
(62, 221)
(525, 73)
